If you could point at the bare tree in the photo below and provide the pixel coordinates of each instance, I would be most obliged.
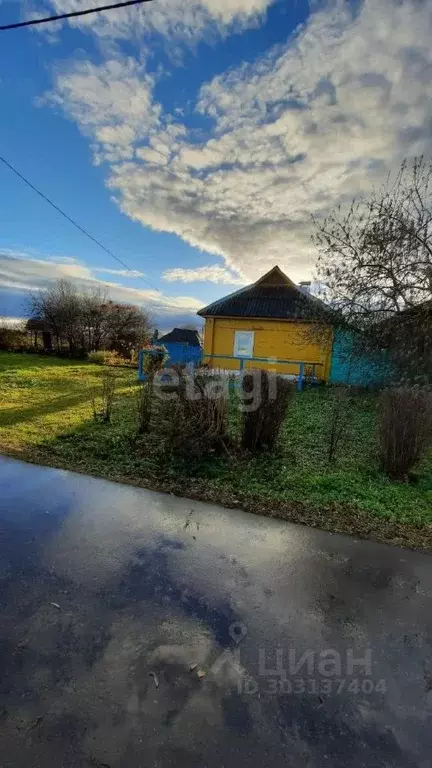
(93, 308)
(128, 326)
(83, 322)
(405, 429)
(375, 261)
(60, 307)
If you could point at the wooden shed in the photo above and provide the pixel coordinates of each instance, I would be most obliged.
(183, 346)
(37, 328)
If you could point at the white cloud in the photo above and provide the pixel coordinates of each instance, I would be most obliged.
(212, 273)
(315, 122)
(112, 104)
(132, 273)
(186, 20)
(21, 274)
(12, 322)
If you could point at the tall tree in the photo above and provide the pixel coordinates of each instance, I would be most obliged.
(59, 306)
(375, 263)
(127, 326)
(94, 318)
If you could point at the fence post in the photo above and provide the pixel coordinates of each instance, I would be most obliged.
(300, 378)
(140, 365)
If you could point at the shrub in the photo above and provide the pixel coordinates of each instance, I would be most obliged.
(193, 415)
(106, 357)
(13, 339)
(265, 399)
(144, 407)
(98, 358)
(107, 394)
(405, 429)
(154, 359)
(153, 363)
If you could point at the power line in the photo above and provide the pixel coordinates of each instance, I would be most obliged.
(75, 224)
(72, 14)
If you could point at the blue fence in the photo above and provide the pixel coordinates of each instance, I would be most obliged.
(273, 361)
(191, 358)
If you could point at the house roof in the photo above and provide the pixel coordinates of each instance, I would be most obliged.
(274, 295)
(182, 335)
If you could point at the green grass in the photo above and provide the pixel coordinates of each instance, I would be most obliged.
(42, 397)
(46, 416)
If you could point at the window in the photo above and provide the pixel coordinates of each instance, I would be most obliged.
(243, 343)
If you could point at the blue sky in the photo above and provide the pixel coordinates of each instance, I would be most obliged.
(196, 138)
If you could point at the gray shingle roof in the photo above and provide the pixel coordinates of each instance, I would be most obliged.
(182, 335)
(272, 296)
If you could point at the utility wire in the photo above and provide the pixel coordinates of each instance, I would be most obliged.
(75, 224)
(72, 14)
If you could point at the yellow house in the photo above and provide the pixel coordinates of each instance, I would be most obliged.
(269, 319)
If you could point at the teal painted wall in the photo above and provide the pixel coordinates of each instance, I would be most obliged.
(359, 371)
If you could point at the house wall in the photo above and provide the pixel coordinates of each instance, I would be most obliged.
(281, 339)
(348, 367)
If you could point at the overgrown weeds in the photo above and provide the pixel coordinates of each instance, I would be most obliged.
(106, 357)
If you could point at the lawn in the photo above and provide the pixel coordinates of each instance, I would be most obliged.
(46, 416)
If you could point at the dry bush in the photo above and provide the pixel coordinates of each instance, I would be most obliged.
(265, 400)
(97, 358)
(106, 357)
(103, 413)
(193, 415)
(13, 339)
(405, 429)
(338, 423)
(144, 407)
(154, 360)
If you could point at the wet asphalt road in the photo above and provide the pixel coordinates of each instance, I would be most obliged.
(110, 595)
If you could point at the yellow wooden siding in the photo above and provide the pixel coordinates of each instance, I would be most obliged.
(273, 338)
(208, 335)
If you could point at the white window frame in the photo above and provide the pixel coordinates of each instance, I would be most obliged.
(240, 343)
